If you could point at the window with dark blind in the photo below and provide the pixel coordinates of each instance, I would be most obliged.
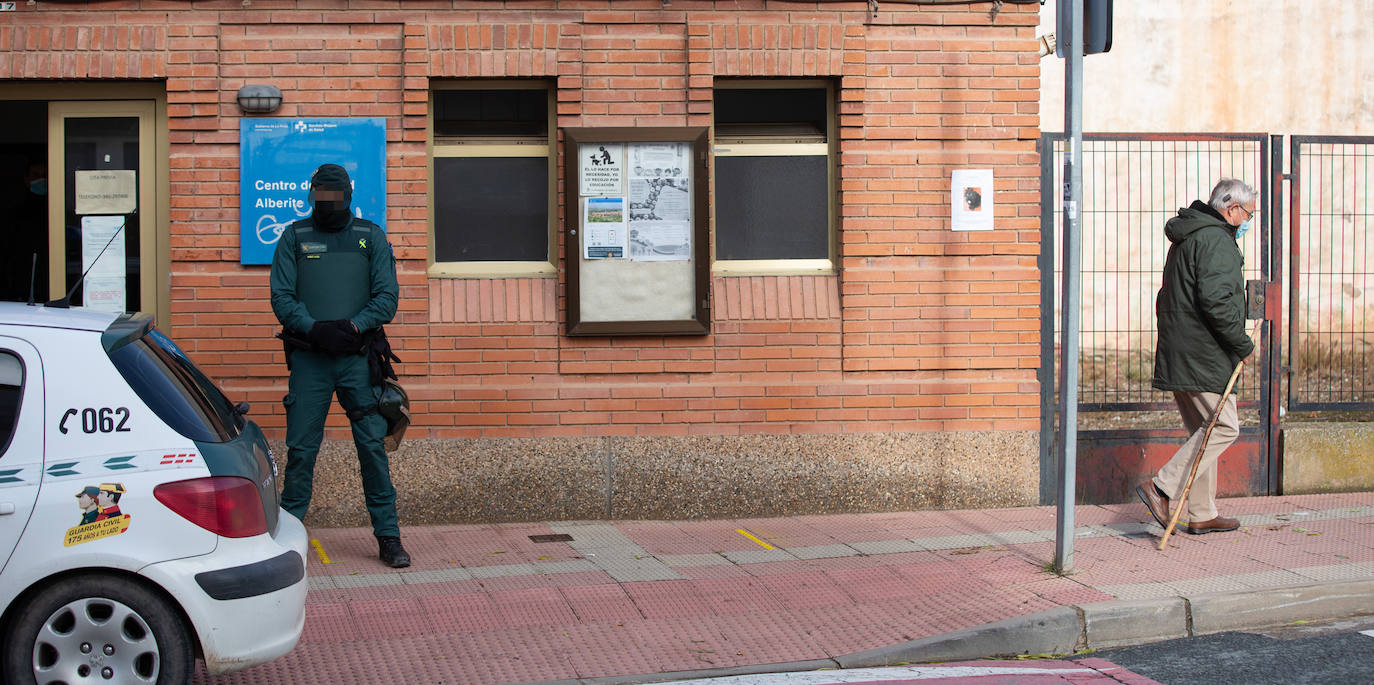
(774, 176)
(491, 180)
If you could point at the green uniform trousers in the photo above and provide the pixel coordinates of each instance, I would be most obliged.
(315, 377)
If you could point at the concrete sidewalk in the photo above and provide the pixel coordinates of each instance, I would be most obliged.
(615, 602)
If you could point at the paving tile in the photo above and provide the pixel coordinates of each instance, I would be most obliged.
(445, 575)
(755, 556)
(887, 546)
(960, 541)
(503, 570)
(1150, 590)
(805, 590)
(679, 560)
(1268, 579)
(1192, 586)
(464, 613)
(1336, 572)
(370, 580)
(590, 657)
(629, 574)
(822, 551)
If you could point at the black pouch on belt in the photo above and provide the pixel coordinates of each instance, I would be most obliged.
(293, 340)
(379, 358)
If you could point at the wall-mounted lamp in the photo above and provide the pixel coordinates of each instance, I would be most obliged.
(259, 98)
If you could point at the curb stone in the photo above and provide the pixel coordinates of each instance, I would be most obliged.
(1053, 631)
(1219, 611)
(1065, 630)
(1098, 625)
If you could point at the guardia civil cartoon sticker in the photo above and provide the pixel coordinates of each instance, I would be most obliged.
(100, 514)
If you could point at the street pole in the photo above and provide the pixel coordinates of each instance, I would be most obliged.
(1068, 350)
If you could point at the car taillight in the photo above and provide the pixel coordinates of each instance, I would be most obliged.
(224, 505)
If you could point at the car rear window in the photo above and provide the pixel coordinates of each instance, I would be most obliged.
(11, 389)
(171, 385)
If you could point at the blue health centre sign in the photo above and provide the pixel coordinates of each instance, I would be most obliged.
(277, 158)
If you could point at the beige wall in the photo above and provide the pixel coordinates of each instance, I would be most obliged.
(1274, 66)
(1292, 67)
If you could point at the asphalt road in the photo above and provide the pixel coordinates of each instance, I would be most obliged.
(1331, 653)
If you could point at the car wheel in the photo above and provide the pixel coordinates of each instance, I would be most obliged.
(98, 629)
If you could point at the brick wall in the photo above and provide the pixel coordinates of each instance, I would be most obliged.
(922, 329)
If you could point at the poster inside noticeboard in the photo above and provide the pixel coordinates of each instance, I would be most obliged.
(636, 246)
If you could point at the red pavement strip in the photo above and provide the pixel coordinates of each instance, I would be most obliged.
(625, 601)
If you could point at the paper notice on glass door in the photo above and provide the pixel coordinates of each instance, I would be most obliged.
(102, 260)
(603, 228)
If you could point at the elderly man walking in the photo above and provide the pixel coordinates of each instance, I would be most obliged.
(1202, 337)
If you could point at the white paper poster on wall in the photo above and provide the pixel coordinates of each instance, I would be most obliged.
(603, 227)
(660, 202)
(971, 201)
(106, 285)
(603, 168)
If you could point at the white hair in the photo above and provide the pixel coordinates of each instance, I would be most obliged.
(1230, 192)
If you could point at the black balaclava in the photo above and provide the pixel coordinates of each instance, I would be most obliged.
(331, 215)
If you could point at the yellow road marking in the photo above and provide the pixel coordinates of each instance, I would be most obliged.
(746, 533)
(319, 550)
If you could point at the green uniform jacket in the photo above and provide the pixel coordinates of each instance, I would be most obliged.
(355, 272)
(1201, 305)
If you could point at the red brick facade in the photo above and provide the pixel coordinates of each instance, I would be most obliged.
(922, 328)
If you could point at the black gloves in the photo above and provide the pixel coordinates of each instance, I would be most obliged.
(339, 336)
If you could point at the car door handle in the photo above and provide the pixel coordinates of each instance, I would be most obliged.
(6, 508)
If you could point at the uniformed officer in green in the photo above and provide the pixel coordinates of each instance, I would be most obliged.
(334, 284)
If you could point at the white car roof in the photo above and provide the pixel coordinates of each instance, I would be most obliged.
(77, 318)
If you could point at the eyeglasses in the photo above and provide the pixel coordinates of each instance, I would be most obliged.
(1248, 213)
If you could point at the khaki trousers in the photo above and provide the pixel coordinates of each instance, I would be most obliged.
(1196, 409)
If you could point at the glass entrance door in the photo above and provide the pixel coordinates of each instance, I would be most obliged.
(102, 234)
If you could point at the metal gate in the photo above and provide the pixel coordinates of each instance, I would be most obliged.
(1133, 183)
(1331, 309)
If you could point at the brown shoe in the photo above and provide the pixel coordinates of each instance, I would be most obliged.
(1155, 501)
(1219, 524)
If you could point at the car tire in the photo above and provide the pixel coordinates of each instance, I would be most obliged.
(78, 627)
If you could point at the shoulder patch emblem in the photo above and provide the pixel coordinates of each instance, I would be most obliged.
(362, 242)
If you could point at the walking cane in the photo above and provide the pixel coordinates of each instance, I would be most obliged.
(1197, 458)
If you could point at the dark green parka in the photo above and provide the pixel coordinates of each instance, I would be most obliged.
(1201, 305)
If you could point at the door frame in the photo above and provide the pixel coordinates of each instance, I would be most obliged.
(154, 194)
(148, 244)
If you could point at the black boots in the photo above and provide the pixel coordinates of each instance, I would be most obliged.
(390, 551)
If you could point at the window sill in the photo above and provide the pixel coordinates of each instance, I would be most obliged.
(491, 270)
(773, 267)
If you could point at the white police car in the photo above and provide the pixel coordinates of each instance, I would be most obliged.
(139, 520)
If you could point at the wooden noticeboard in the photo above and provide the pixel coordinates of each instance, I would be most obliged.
(636, 220)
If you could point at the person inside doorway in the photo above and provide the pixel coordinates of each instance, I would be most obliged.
(26, 253)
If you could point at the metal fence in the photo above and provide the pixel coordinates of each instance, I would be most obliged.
(1331, 307)
(1132, 184)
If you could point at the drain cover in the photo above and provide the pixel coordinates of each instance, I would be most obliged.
(551, 537)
